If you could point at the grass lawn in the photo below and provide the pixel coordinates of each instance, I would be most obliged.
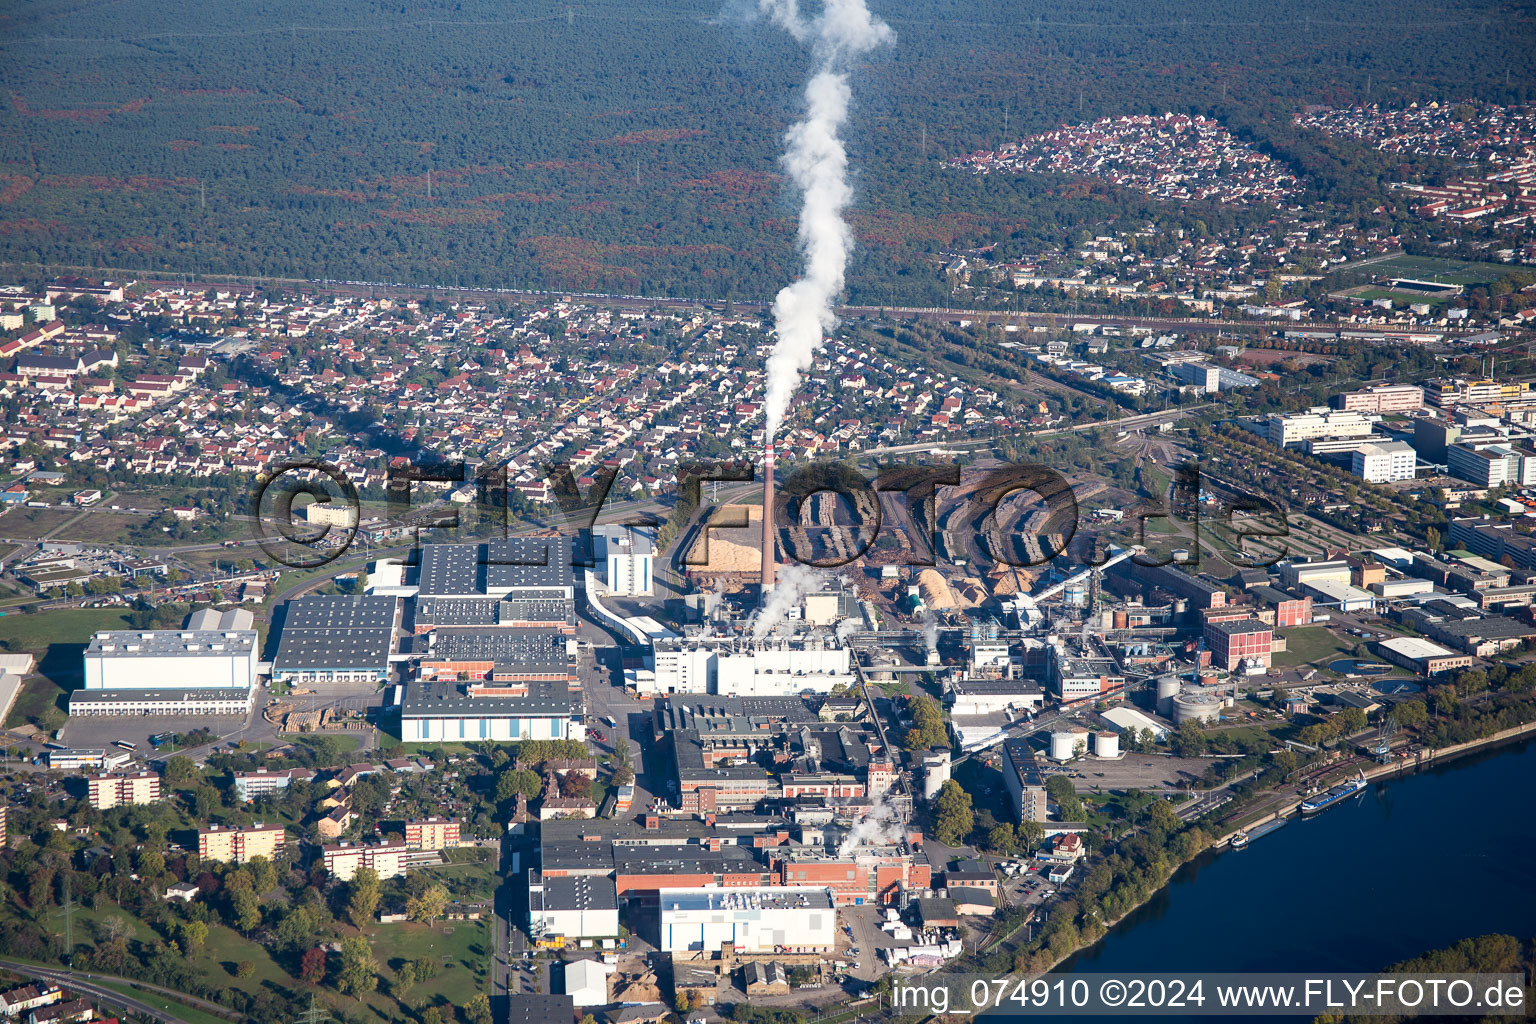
(1434, 268)
(58, 639)
(1315, 646)
(186, 1013)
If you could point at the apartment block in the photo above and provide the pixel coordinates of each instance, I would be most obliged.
(343, 860)
(432, 833)
(124, 789)
(241, 845)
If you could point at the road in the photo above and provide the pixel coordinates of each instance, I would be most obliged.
(85, 985)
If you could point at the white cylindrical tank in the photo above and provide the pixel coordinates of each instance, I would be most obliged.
(1194, 706)
(935, 773)
(1061, 745)
(1106, 744)
(1167, 688)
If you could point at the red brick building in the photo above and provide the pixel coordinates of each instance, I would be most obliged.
(1236, 641)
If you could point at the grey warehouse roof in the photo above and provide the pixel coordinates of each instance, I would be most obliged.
(163, 643)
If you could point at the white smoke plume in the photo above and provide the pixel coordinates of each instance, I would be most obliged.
(846, 628)
(817, 161)
(931, 633)
(794, 581)
(882, 826)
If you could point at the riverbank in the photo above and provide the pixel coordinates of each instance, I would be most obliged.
(1417, 860)
(1422, 759)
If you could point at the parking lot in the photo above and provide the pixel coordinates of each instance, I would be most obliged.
(1147, 772)
(91, 732)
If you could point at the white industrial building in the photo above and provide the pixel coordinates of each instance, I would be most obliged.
(171, 659)
(573, 906)
(992, 696)
(1128, 719)
(767, 919)
(1210, 377)
(1383, 462)
(1342, 596)
(743, 667)
(586, 982)
(1316, 424)
(627, 555)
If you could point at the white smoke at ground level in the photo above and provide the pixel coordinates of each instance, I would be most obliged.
(930, 633)
(882, 826)
(793, 582)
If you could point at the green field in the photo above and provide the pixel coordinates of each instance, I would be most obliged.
(1434, 268)
(1312, 645)
(58, 640)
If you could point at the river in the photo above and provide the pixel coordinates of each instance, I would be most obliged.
(1415, 863)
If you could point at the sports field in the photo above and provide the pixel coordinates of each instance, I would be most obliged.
(1433, 268)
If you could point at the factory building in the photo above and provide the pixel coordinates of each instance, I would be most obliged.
(500, 656)
(1233, 642)
(181, 703)
(1082, 669)
(171, 659)
(1494, 540)
(572, 907)
(774, 666)
(991, 696)
(627, 557)
(1492, 465)
(336, 639)
(765, 919)
(515, 582)
(123, 789)
(241, 845)
(1422, 656)
(439, 711)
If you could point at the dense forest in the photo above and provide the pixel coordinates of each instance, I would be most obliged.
(613, 146)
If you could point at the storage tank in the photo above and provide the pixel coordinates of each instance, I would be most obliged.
(1122, 620)
(1061, 745)
(1194, 706)
(935, 773)
(1208, 678)
(1106, 744)
(1075, 595)
(1167, 688)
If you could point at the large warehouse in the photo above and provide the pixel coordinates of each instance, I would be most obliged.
(515, 582)
(336, 639)
(433, 711)
(503, 656)
(171, 659)
(573, 907)
(766, 919)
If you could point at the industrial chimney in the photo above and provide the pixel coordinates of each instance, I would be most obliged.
(768, 559)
